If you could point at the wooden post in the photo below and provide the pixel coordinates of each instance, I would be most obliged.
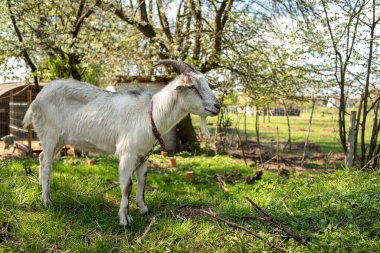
(245, 123)
(351, 140)
(278, 149)
(11, 114)
(263, 114)
(288, 121)
(30, 133)
(308, 132)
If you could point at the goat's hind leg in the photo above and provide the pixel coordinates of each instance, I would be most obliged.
(126, 165)
(46, 163)
(141, 174)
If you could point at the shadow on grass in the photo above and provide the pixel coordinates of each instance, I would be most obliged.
(346, 223)
(73, 221)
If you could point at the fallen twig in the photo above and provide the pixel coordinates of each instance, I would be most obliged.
(237, 226)
(365, 166)
(222, 182)
(267, 217)
(270, 159)
(189, 206)
(152, 221)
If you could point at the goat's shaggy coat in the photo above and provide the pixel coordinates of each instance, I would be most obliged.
(86, 117)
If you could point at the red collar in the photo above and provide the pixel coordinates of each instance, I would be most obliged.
(156, 133)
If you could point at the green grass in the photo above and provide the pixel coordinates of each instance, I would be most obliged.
(324, 129)
(338, 212)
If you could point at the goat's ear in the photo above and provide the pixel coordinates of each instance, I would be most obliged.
(185, 81)
(180, 87)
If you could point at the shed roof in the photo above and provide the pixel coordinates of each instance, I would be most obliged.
(6, 87)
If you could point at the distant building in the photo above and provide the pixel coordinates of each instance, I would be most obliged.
(334, 102)
(247, 110)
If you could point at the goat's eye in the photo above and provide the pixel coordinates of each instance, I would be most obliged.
(192, 87)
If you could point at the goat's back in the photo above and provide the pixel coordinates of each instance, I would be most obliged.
(85, 115)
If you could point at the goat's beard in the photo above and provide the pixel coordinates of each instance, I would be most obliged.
(203, 125)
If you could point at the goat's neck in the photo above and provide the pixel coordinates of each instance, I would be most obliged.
(166, 111)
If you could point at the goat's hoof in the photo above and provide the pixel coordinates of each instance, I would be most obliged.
(46, 202)
(144, 210)
(125, 220)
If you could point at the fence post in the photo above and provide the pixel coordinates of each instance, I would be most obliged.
(11, 113)
(351, 140)
(30, 133)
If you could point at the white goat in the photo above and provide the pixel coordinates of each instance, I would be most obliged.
(84, 116)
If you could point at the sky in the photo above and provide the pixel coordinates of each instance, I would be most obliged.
(19, 69)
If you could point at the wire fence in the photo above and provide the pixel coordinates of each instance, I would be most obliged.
(4, 117)
(16, 115)
(13, 108)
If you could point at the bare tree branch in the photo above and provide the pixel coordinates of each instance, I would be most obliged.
(163, 20)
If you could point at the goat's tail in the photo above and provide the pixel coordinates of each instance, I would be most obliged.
(28, 117)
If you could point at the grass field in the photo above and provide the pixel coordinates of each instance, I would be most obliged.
(338, 212)
(324, 129)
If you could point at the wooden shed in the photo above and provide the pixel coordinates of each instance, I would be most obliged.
(13, 105)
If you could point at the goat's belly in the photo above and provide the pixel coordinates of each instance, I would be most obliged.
(92, 147)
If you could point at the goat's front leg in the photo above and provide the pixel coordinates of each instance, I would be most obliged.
(141, 180)
(126, 165)
(41, 159)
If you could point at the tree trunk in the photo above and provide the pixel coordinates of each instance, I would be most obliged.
(74, 63)
(264, 114)
(342, 119)
(376, 157)
(187, 133)
(245, 123)
(374, 135)
(257, 126)
(357, 131)
(351, 140)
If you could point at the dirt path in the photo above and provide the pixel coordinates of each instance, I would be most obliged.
(315, 160)
(8, 153)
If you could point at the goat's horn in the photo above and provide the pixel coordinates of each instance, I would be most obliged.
(182, 67)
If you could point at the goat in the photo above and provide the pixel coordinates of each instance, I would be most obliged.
(84, 116)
